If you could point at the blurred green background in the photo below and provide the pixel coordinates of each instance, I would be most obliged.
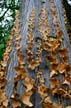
(8, 10)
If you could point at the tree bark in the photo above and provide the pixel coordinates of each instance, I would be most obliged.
(25, 11)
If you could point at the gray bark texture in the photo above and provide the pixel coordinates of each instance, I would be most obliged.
(25, 11)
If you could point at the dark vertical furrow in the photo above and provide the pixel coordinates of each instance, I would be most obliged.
(35, 32)
(38, 6)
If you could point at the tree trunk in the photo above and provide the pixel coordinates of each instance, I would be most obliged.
(25, 12)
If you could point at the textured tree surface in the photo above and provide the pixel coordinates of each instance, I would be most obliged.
(25, 12)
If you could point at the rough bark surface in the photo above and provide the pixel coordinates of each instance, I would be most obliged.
(25, 11)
